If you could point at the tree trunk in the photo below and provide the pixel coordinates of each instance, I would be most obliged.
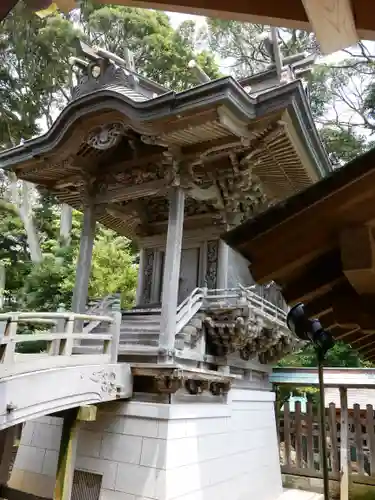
(26, 215)
(65, 224)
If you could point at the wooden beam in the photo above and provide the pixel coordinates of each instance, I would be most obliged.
(364, 346)
(346, 334)
(357, 246)
(146, 158)
(67, 456)
(198, 218)
(350, 310)
(320, 305)
(328, 320)
(87, 413)
(136, 191)
(357, 338)
(370, 352)
(316, 279)
(333, 23)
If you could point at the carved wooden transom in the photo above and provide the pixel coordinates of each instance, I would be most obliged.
(106, 136)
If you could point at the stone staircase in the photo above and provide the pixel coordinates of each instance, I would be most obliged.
(140, 327)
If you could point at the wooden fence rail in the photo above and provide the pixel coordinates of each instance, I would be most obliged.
(300, 447)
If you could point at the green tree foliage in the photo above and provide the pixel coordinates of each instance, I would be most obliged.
(113, 268)
(243, 45)
(341, 355)
(34, 72)
(342, 143)
(160, 52)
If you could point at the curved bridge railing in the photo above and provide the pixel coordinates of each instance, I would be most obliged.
(63, 335)
(33, 385)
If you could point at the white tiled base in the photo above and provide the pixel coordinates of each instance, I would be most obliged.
(145, 451)
(300, 495)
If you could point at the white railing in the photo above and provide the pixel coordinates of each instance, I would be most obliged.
(189, 307)
(100, 308)
(246, 295)
(60, 340)
(267, 307)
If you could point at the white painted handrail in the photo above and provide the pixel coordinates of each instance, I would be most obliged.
(267, 308)
(59, 344)
(103, 305)
(189, 307)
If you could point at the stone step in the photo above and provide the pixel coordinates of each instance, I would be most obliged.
(139, 328)
(135, 320)
(149, 342)
(139, 336)
(134, 349)
(141, 317)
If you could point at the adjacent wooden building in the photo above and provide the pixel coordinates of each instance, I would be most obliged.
(325, 258)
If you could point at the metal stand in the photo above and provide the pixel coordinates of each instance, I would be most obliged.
(323, 435)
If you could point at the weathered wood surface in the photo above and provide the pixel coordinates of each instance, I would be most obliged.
(330, 267)
(350, 442)
(344, 444)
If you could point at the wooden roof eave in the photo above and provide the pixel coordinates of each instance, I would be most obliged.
(255, 231)
(225, 91)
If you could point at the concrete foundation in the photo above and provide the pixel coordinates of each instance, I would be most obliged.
(154, 451)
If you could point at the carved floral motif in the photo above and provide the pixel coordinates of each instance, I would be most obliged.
(212, 258)
(105, 137)
(107, 381)
(148, 272)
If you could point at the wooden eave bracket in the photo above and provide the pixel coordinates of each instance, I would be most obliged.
(169, 379)
(155, 370)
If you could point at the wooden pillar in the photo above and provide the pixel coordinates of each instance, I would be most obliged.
(344, 445)
(7, 438)
(84, 260)
(172, 268)
(156, 277)
(141, 276)
(68, 449)
(222, 265)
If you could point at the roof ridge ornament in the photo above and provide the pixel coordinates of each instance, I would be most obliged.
(98, 68)
(106, 136)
